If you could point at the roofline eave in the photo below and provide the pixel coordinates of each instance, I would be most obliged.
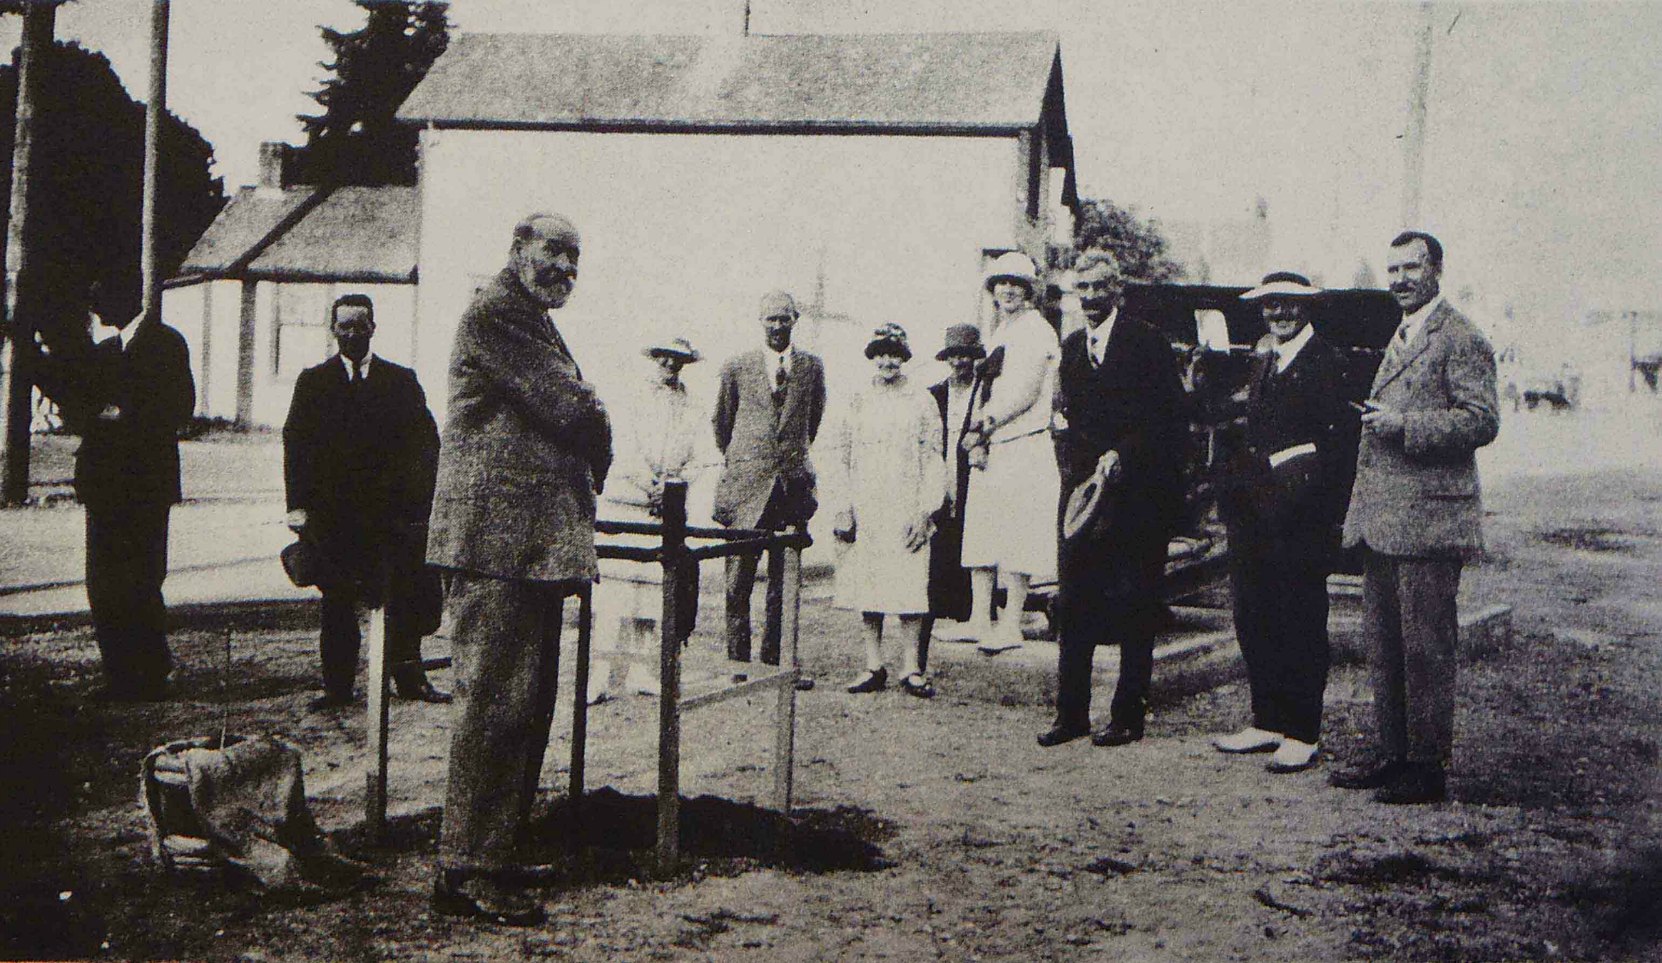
(658, 126)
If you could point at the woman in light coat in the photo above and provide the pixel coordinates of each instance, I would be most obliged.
(888, 454)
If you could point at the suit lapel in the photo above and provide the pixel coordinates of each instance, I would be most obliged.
(1398, 359)
(799, 370)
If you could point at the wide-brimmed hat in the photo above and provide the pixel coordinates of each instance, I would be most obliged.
(889, 339)
(675, 348)
(1284, 284)
(1012, 266)
(962, 339)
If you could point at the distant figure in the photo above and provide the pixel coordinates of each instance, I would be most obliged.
(359, 453)
(657, 446)
(1283, 501)
(127, 400)
(888, 445)
(949, 581)
(1416, 514)
(768, 412)
(1010, 516)
(526, 450)
(1122, 421)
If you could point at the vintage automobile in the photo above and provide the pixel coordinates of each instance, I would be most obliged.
(1214, 334)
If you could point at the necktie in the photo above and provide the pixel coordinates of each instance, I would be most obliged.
(779, 380)
(1096, 352)
(357, 373)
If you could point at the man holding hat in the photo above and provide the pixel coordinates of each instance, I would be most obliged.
(768, 412)
(1122, 422)
(1284, 497)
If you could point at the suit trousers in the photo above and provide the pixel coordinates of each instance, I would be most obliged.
(741, 583)
(1100, 604)
(505, 640)
(1411, 624)
(341, 638)
(1279, 585)
(126, 549)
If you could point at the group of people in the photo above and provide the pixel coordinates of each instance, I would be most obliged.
(1034, 460)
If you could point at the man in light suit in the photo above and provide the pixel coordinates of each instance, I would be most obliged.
(359, 452)
(1416, 513)
(768, 411)
(526, 449)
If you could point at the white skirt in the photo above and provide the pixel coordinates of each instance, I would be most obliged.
(1010, 512)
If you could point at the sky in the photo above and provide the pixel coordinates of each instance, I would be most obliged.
(1542, 171)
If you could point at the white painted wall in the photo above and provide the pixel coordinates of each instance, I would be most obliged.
(683, 233)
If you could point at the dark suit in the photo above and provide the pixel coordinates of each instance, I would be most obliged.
(1132, 403)
(360, 458)
(127, 477)
(949, 581)
(764, 432)
(1283, 528)
(1416, 511)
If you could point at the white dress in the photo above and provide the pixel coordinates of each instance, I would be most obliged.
(1010, 514)
(888, 457)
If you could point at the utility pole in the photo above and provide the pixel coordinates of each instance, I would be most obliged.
(154, 112)
(39, 23)
(1413, 140)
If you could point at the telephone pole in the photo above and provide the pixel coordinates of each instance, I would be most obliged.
(1413, 140)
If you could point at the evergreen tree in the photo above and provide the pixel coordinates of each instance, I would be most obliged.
(1138, 245)
(356, 139)
(87, 190)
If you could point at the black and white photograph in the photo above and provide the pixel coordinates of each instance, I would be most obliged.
(831, 480)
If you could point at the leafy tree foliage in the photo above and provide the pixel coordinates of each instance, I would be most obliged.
(356, 139)
(87, 188)
(1138, 245)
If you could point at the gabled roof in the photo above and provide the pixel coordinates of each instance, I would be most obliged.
(940, 82)
(310, 234)
(354, 234)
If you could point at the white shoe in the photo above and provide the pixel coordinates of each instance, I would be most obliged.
(1293, 756)
(1250, 739)
(951, 630)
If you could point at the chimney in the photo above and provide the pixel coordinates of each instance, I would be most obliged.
(274, 164)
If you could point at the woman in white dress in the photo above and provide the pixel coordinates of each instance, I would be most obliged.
(1010, 515)
(888, 456)
(657, 443)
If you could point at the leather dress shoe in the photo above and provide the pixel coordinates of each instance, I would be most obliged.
(1417, 783)
(871, 680)
(804, 684)
(456, 894)
(1369, 775)
(1062, 732)
(329, 701)
(422, 691)
(1116, 733)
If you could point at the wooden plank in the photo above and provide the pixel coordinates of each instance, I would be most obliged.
(669, 678)
(375, 793)
(784, 734)
(580, 710)
(737, 690)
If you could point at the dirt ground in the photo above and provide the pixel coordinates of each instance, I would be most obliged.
(938, 830)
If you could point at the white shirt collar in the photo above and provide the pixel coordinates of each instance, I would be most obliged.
(362, 365)
(1411, 323)
(1096, 339)
(1285, 353)
(784, 357)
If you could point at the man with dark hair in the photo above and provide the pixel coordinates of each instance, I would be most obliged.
(1283, 499)
(1122, 408)
(127, 399)
(359, 452)
(527, 446)
(1416, 514)
(768, 411)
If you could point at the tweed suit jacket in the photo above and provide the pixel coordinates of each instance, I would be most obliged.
(526, 447)
(764, 443)
(134, 459)
(1417, 495)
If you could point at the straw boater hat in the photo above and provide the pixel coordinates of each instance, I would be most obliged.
(1283, 284)
(674, 348)
(889, 339)
(962, 339)
(1014, 266)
